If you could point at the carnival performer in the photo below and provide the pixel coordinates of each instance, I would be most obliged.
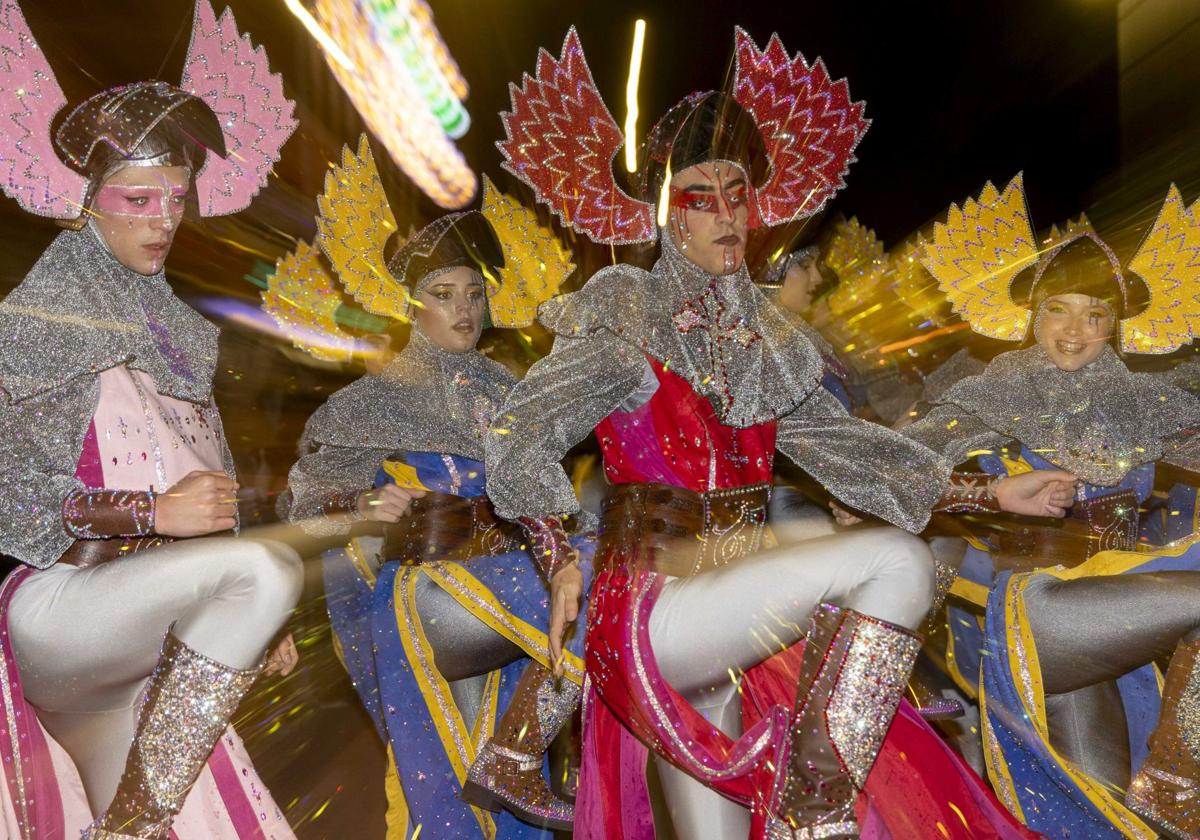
(129, 634)
(451, 630)
(1075, 617)
(691, 381)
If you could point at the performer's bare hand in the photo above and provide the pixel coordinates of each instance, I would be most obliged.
(387, 503)
(202, 502)
(843, 516)
(566, 593)
(284, 658)
(1037, 493)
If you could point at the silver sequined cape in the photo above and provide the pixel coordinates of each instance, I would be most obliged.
(76, 313)
(1098, 423)
(426, 400)
(733, 347)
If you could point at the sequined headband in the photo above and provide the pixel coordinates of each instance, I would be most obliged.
(981, 248)
(223, 69)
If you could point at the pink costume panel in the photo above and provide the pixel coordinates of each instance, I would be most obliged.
(143, 440)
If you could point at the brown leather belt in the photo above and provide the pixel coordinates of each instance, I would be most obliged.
(88, 553)
(441, 526)
(1106, 523)
(679, 532)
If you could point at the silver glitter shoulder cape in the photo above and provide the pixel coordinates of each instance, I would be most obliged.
(733, 347)
(1099, 422)
(79, 311)
(720, 333)
(76, 313)
(426, 400)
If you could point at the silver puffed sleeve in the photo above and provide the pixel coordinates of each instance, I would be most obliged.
(955, 434)
(42, 439)
(558, 404)
(867, 466)
(326, 473)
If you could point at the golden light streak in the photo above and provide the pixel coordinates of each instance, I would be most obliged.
(314, 29)
(921, 339)
(664, 197)
(631, 88)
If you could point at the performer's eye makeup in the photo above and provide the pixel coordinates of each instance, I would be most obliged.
(695, 199)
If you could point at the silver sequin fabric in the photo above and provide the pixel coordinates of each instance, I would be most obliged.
(1189, 714)
(1098, 423)
(735, 348)
(426, 400)
(189, 701)
(869, 688)
(76, 313)
(717, 332)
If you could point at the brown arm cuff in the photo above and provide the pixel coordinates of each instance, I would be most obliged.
(343, 503)
(969, 492)
(100, 514)
(548, 544)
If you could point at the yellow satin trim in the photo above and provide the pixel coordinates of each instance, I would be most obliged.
(452, 730)
(397, 806)
(1022, 647)
(997, 767)
(970, 591)
(968, 687)
(404, 475)
(481, 603)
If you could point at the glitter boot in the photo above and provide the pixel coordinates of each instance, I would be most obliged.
(507, 773)
(1166, 790)
(852, 677)
(187, 704)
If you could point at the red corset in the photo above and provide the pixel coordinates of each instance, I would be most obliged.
(676, 438)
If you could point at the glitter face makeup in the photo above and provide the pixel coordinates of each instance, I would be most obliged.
(1073, 329)
(450, 309)
(137, 213)
(710, 215)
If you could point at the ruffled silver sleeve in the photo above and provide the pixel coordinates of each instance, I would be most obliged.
(325, 474)
(867, 466)
(558, 404)
(953, 433)
(43, 437)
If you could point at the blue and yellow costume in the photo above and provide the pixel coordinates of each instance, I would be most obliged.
(1083, 737)
(445, 636)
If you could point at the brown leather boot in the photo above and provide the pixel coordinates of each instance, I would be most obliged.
(187, 704)
(507, 773)
(1166, 790)
(852, 677)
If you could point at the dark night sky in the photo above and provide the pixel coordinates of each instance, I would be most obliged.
(958, 92)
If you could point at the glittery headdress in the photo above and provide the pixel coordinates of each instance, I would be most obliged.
(856, 256)
(228, 103)
(535, 262)
(303, 300)
(355, 223)
(977, 253)
(561, 139)
(522, 261)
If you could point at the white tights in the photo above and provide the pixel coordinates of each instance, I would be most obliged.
(708, 628)
(86, 640)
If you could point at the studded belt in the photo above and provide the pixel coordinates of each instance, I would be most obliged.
(441, 526)
(1105, 523)
(679, 532)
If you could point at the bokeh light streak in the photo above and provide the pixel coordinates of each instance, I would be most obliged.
(394, 108)
(631, 89)
(416, 49)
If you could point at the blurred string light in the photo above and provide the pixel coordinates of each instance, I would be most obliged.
(631, 88)
(401, 78)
